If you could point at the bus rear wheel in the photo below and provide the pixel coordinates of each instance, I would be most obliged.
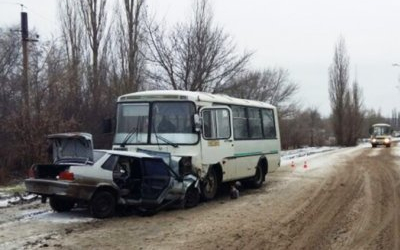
(258, 178)
(209, 185)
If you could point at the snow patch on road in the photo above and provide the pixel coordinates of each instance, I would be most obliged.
(375, 152)
(74, 216)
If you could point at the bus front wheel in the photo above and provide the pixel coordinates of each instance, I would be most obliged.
(209, 185)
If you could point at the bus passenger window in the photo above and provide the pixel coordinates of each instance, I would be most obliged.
(268, 123)
(216, 124)
(207, 124)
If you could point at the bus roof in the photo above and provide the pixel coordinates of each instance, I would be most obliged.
(191, 96)
(381, 125)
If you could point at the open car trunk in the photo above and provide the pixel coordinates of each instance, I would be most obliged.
(47, 171)
(71, 148)
(65, 149)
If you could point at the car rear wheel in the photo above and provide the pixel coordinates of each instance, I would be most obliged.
(102, 204)
(61, 204)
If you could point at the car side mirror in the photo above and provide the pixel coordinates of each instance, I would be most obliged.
(197, 122)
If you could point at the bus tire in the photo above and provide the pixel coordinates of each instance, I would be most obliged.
(258, 178)
(209, 186)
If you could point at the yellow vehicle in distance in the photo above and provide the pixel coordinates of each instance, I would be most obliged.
(381, 134)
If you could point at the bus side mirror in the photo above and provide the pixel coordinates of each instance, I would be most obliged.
(197, 122)
(107, 126)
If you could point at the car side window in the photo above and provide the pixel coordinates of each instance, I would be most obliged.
(110, 163)
(155, 167)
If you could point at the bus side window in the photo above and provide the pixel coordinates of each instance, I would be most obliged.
(268, 123)
(216, 124)
(240, 128)
(207, 124)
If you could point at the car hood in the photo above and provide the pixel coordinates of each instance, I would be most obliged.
(71, 147)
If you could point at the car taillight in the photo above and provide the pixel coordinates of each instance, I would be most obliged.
(66, 175)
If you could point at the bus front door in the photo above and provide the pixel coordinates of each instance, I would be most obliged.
(217, 144)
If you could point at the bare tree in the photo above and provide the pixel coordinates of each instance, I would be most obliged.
(354, 115)
(346, 102)
(270, 85)
(94, 16)
(339, 88)
(129, 58)
(10, 59)
(73, 43)
(303, 128)
(196, 56)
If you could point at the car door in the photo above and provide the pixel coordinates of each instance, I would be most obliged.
(157, 179)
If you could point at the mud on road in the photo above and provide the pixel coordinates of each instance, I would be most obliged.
(346, 199)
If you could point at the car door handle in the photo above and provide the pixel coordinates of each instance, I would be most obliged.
(228, 140)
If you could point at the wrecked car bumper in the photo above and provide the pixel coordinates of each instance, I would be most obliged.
(59, 188)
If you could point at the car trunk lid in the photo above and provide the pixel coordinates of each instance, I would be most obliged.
(71, 148)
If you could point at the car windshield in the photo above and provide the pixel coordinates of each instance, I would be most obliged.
(171, 123)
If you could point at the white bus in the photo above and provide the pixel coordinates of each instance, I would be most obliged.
(216, 137)
(381, 135)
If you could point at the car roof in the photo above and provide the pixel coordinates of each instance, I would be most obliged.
(127, 153)
(84, 135)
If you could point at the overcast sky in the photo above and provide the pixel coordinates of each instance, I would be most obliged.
(298, 35)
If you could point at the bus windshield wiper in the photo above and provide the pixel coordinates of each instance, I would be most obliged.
(166, 141)
(128, 136)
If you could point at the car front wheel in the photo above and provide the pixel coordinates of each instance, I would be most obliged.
(192, 197)
(102, 204)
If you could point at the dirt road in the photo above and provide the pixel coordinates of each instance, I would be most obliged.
(346, 199)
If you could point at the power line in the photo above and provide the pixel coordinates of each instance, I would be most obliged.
(11, 3)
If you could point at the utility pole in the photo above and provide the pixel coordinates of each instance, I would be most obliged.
(25, 66)
(25, 80)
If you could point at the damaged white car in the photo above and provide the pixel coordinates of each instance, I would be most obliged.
(105, 179)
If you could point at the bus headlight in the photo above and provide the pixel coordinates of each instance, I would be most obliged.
(387, 140)
(373, 140)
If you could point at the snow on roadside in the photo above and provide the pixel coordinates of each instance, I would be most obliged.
(297, 154)
(77, 215)
(3, 203)
(7, 200)
(302, 152)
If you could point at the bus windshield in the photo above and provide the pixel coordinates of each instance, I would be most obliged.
(381, 130)
(168, 123)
